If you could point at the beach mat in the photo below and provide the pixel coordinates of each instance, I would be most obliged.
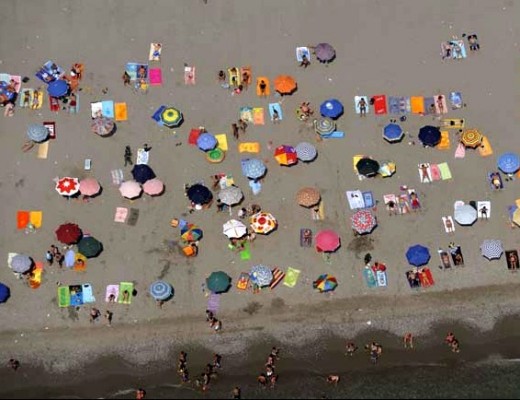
(370, 277)
(334, 135)
(444, 109)
(417, 104)
(429, 106)
(356, 104)
(460, 151)
(155, 52)
(222, 141)
(22, 219)
(249, 147)
(399, 105)
(120, 111)
(117, 176)
(128, 286)
(112, 289)
(247, 69)
(278, 276)
(305, 242)
(36, 218)
(107, 108)
(80, 262)
(43, 151)
(121, 214)
(368, 199)
(96, 109)
(246, 114)
(63, 296)
(380, 104)
(267, 88)
(242, 281)
(301, 51)
(291, 277)
(155, 76)
(143, 156)
(453, 123)
(444, 169)
(277, 107)
(133, 216)
(193, 136)
(485, 149)
(232, 74)
(381, 277)
(456, 100)
(258, 116)
(426, 278)
(435, 172)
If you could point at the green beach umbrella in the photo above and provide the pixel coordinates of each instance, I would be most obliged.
(171, 117)
(218, 282)
(89, 246)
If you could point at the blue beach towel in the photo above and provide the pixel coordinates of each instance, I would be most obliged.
(368, 198)
(88, 296)
(107, 108)
(277, 107)
(370, 278)
(76, 295)
(381, 278)
(334, 135)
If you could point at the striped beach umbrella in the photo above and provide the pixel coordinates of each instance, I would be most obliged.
(306, 151)
(363, 221)
(161, 290)
(261, 275)
(263, 222)
(491, 249)
(171, 117)
(324, 126)
(471, 138)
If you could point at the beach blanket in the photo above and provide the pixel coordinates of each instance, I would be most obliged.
(440, 104)
(76, 295)
(355, 199)
(43, 151)
(480, 208)
(134, 69)
(245, 254)
(356, 104)
(22, 219)
(80, 262)
(456, 256)
(234, 76)
(107, 108)
(155, 52)
(429, 106)
(155, 76)
(249, 147)
(370, 277)
(306, 237)
(112, 290)
(491, 176)
(381, 277)
(485, 149)
(267, 91)
(35, 218)
(458, 50)
(222, 141)
(243, 281)
(278, 276)
(460, 151)
(35, 278)
(444, 258)
(26, 98)
(213, 303)
(320, 214)
(189, 75)
(379, 104)
(435, 172)
(258, 116)
(291, 277)
(96, 109)
(399, 105)
(121, 214)
(422, 177)
(278, 108)
(445, 222)
(193, 136)
(117, 176)
(456, 100)
(368, 199)
(49, 72)
(88, 295)
(63, 296)
(133, 216)
(301, 51)
(417, 104)
(444, 168)
(143, 156)
(426, 277)
(127, 287)
(246, 70)
(444, 144)
(70, 258)
(121, 113)
(246, 114)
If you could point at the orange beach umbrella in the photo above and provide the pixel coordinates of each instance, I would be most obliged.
(285, 84)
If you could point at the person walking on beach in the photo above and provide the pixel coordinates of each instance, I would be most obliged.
(140, 394)
(333, 379)
(217, 361)
(408, 340)
(234, 129)
(108, 316)
(128, 156)
(14, 364)
(49, 257)
(126, 79)
(94, 314)
(351, 348)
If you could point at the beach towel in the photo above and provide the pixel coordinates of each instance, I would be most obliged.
(291, 277)
(133, 216)
(213, 303)
(88, 295)
(63, 296)
(456, 100)
(74, 109)
(51, 127)
(426, 277)
(485, 149)
(193, 136)
(35, 279)
(245, 254)
(445, 222)
(413, 281)
(76, 295)
(403, 203)
(444, 168)
(444, 144)
(480, 206)
(417, 104)
(440, 104)
(121, 113)
(107, 108)
(321, 211)
(249, 147)
(429, 106)
(243, 281)
(334, 135)
(222, 142)
(37, 102)
(460, 151)
(10, 257)
(267, 91)
(155, 52)
(355, 199)
(246, 114)
(381, 278)
(96, 109)
(435, 172)
(143, 156)
(370, 277)
(129, 288)
(248, 71)
(302, 51)
(444, 258)
(456, 256)
(306, 237)
(491, 176)
(189, 75)
(425, 178)
(368, 199)
(258, 116)
(54, 104)
(117, 176)
(278, 108)
(278, 276)
(70, 258)
(453, 123)
(234, 76)
(26, 98)
(393, 104)
(22, 219)
(112, 290)
(35, 218)
(458, 50)
(43, 151)
(121, 214)
(379, 104)
(155, 76)
(356, 104)
(80, 261)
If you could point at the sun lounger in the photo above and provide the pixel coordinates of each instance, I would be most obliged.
(249, 147)
(107, 108)
(35, 218)
(356, 104)
(444, 168)
(370, 277)
(155, 76)
(112, 290)
(417, 104)
(43, 151)
(258, 116)
(379, 104)
(243, 281)
(453, 123)
(76, 295)
(222, 141)
(444, 144)
(291, 277)
(485, 149)
(189, 75)
(278, 276)
(22, 219)
(127, 287)
(63, 296)
(133, 216)
(495, 175)
(305, 237)
(143, 156)
(121, 214)
(301, 51)
(278, 108)
(121, 113)
(267, 91)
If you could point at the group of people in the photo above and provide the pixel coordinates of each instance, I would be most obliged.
(239, 81)
(206, 376)
(238, 128)
(54, 254)
(269, 378)
(375, 350)
(214, 323)
(95, 314)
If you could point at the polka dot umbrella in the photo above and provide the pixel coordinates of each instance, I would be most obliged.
(263, 222)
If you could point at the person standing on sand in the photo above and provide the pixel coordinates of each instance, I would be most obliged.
(408, 340)
(128, 156)
(108, 317)
(140, 394)
(236, 393)
(351, 348)
(13, 364)
(333, 379)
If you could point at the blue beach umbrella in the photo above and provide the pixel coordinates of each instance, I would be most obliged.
(331, 108)
(4, 293)
(58, 88)
(306, 151)
(491, 249)
(393, 133)
(418, 255)
(430, 135)
(509, 163)
(21, 263)
(261, 275)
(253, 168)
(37, 133)
(206, 141)
(161, 290)
(199, 194)
(142, 173)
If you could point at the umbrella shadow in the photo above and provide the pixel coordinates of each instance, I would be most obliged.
(361, 244)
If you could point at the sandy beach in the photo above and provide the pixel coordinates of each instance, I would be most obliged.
(388, 48)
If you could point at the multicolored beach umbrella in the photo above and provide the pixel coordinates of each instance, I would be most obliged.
(325, 283)
(171, 117)
(285, 155)
(191, 233)
(263, 222)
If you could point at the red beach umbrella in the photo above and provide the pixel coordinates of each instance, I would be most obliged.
(67, 186)
(68, 233)
(327, 240)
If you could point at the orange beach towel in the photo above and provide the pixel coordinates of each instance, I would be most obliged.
(120, 112)
(267, 91)
(417, 104)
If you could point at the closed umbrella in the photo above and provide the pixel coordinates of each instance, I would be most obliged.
(21, 263)
(324, 126)
(142, 173)
(130, 189)
(68, 233)
(171, 117)
(471, 138)
(102, 126)
(393, 133)
(89, 247)
(324, 52)
(367, 167)
(206, 141)
(430, 135)
(285, 155)
(253, 168)
(325, 283)
(418, 255)
(37, 133)
(306, 151)
(67, 186)
(161, 290)
(89, 187)
(199, 194)
(331, 108)
(327, 241)
(285, 84)
(363, 221)
(465, 215)
(4, 293)
(308, 197)
(153, 187)
(509, 163)
(234, 229)
(231, 195)
(218, 282)
(491, 249)
(261, 275)
(58, 88)
(263, 222)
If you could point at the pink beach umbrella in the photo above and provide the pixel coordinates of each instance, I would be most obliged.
(327, 240)
(153, 187)
(89, 187)
(130, 189)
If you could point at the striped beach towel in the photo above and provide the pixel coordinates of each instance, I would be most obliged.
(117, 176)
(278, 276)
(213, 303)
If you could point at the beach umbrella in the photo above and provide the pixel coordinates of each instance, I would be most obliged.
(418, 255)
(308, 197)
(218, 282)
(324, 52)
(367, 167)
(261, 275)
(199, 194)
(37, 133)
(89, 187)
(285, 84)
(430, 135)
(327, 240)
(285, 155)
(161, 290)
(4, 293)
(70, 258)
(471, 138)
(130, 189)
(171, 117)
(216, 155)
(386, 168)
(21, 263)
(206, 141)
(393, 133)
(363, 221)
(89, 246)
(253, 168)
(231, 195)
(324, 126)
(58, 88)
(263, 222)
(465, 215)
(67, 186)
(331, 108)
(306, 151)
(68, 233)
(325, 283)
(509, 163)
(191, 233)
(234, 229)
(153, 187)
(491, 249)
(102, 126)
(142, 173)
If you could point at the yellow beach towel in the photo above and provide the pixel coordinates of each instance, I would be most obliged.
(222, 141)
(43, 150)
(355, 160)
(444, 144)
(249, 147)
(291, 277)
(485, 149)
(258, 116)
(35, 218)
(453, 123)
